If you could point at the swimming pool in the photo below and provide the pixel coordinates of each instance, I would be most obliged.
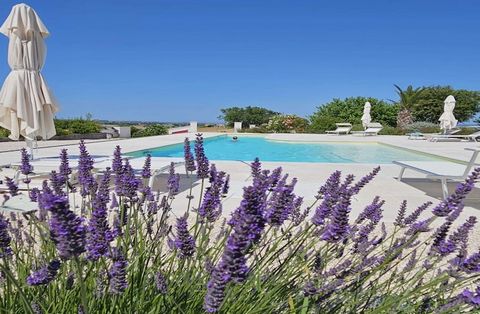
(246, 148)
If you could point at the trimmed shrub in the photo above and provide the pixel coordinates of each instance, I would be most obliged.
(423, 127)
(320, 123)
(76, 126)
(150, 130)
(4, 132)
(287, 123)
(389, 130)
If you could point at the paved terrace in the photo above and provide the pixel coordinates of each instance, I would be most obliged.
(310, 175)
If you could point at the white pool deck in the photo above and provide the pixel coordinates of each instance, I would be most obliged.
(310, 175)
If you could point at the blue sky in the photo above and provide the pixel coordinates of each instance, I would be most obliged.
(182, 60)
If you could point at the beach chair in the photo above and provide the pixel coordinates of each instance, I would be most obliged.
(372, 129)
(342, 128)
(440, 170)
(475, 137)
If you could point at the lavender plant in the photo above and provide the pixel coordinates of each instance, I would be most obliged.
(129, 248)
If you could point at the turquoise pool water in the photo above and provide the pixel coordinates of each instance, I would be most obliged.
(247, 148)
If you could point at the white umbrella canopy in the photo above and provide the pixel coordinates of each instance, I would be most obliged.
(366, 118)
(27, 107)
(447, 119)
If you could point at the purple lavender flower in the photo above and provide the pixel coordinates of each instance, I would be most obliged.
(44, 275)
(281, 203)
(118, 272)
(64, 169)
(57, 181)
(114, 203)
(85, 166)
(471, 264)
(298, 217)
(439, 244)
(184, 242)
(66, 229)
(399, 221)
(12, 186)
(372, 212)
(247, 223)
(146, 170)
(117, 165)
(202, 160)
(420, 226)
(161, 283)
(275, 177)
(456, 199)
(328, 194)
(34, 194)
(309, 289)
(127, 184)
(98, 229)
(255, 167)
(338, 228)
(5, 239)
(226, 185)
(189, 160)
(25, 166)
(173, 181)
(460, 236)
(410, 219)
(472, 298)
(211, 206)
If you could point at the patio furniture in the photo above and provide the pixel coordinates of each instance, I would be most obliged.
(440, 170)
(475, 137)
(372, 129)
(342, 128)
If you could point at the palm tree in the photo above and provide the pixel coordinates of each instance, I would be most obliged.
(408, 99)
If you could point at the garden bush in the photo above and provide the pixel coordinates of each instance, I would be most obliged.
(247, 115)
(149, 130)
(287, 123)
(467, 130)
(389, 130)
(4, 132)
(320, 124)
(423, 127)
(76, 126)
(351, 110)
(258, 129)
(123, 250)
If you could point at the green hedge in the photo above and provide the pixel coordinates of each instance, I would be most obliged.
(150, 130)
(76, 126)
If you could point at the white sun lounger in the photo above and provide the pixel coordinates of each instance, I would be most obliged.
(475, 137)
(372, 129)
(342, 128)
(440, 170)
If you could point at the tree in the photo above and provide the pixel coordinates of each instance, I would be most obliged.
(429, 106)
(351, 110)
(408, 98)
(248, 115)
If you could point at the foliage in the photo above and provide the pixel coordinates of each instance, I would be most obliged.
(287, 123)
(259, 129)
(76, 126)
(431, 100)
(351, 110)
(320, 124)
(423, 127)
(390, 130)
(275, 255)
(408, 98)
(247, 115)
(149, 130)
(467, 131)
(4, 132)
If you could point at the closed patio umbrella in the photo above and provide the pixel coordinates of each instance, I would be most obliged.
(447, 119)
(27, 107)
(366, 118)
